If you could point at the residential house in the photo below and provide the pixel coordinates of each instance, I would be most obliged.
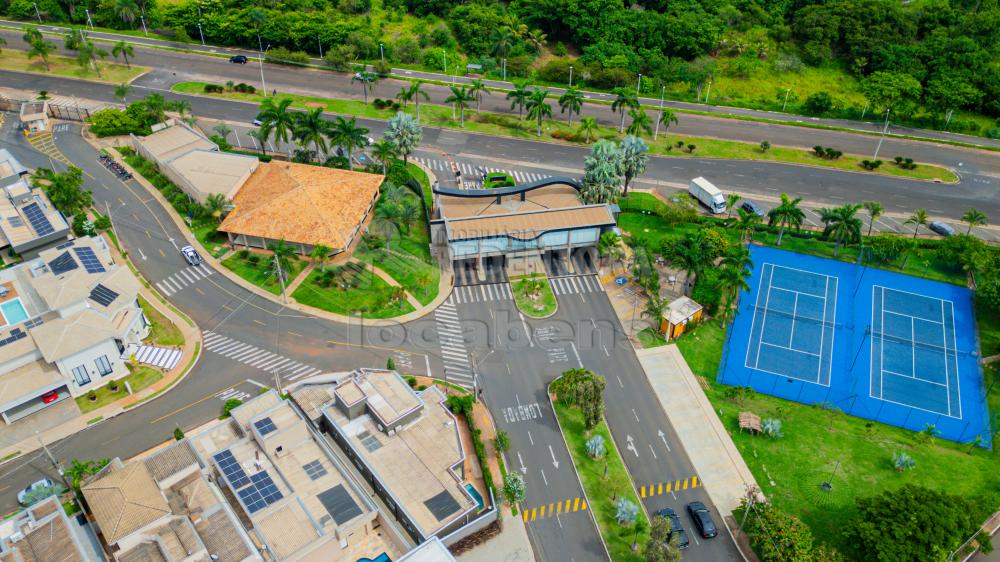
(29, 222)
(44, 533)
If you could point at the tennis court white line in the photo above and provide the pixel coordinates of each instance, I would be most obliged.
(776, 346)
(807, 293)
(753, 321)
(903, 314)
(822, 329)
(791, 333)
(793, 377)
(763, 320)
(905, 376)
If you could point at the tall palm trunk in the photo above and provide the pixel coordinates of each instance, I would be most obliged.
(621, 127)
(871, 224)
(418, 109)
(781, 234)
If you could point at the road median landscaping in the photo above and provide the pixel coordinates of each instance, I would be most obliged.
(533, 295)
(66, 67)
(668, 145)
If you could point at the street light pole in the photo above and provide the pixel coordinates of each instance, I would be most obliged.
(381, 51)
(787, 91)
(709, 91)
(885, 129)
(37, 13)
(571, 76)
(263, 84)
(444, 54)
(143, 20)
(659, 116)
(202, 34)
(638, 85)
(505, 69)
(90, 22)
(320, 43)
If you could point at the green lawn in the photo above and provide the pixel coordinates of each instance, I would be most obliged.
(602, 492)
(989, 329)
(818, 443)
(214, 242)
(256, 268)
(141, 376)
(162, 332)
(533, 296)
(649, 337)
(509, 126)
(419, 278)
(351, 291)
(425, 184)
(112, 73)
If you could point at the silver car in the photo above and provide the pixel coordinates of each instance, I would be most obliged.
(43, 483)
(938, 227)
(191, 255)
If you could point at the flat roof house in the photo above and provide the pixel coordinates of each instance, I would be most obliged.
(291, 490)
(405, 443)
(28, 220)
(43, 533)
(193, 162)
(303, 205)
(35, 116)
(163, 508)
(66, 318)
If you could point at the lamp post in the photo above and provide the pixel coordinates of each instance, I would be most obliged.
(320, 43)
(202, 34)
(505, 69)
(638, 85)
(143, 20)
(90, 22)
(37, 13)
(885, 129)
(571, 76)
(263, 84)
(785, 103)
(659, 116)
(381, 52)
(444, 55)
(475, 374)
(709, 91)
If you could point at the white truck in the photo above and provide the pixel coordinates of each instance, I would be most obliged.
(709, 195)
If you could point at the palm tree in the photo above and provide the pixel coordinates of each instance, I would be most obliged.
(311, 128)
(691, 253)
(733, 280)
(974, 217)
(223, 131)
(321, 254)
(635, 156)
(625, 99)
(875, 211)
(277, 115)
(404, 133)
(608, 243)
(216, 204)
(183, 107)
(476, 89)
(386, 222)
(347, 135)
(414, 93)
(841, 225)
(124, 49)
(367, 80)
(505, 39)
(536, 39)
(122, 91)
(731, 200)
(917, 219)
(408, 213)
(460, 98)
(640, 122)
(538, 108)
(384, 151)
(570, 102)
(519, 97)
(403, 96)
(746, 222)
(602, 173)
(156, 107)
(787, 214)
(261, 134)
(666, 117)
(42, 49)
(87, 54)
(31, 33)
(126, 10)
(588, 126)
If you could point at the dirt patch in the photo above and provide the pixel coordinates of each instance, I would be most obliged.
(315, 104)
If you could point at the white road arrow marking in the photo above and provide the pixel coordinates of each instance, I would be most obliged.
(631, 445)
(524, 469)
(138, 249)
(555, 463)
(663, 437)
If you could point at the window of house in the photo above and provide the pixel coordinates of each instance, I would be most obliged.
(81, 376)
(103, 365)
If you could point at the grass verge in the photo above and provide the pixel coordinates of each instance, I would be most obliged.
(649, 337)
(162, 331)
(603, 492)
(823, 445)
(533, 296)
(352, 291)
(214, 242)
(112, 73)
(553, 130)
(139, 378)
(256, 269)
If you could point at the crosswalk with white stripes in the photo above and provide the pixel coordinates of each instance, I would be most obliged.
(453, 354)
(256, 357)
(232, 393)
(577, 284)
(182, 279)
(481, 293)
(472, 174)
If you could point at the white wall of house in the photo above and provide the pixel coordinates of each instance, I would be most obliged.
(90, 361)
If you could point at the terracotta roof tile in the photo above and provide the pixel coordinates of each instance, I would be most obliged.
(125, 500)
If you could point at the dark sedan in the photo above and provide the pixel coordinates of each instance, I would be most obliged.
(238, 59)
(702, 519)
(675, 526)
(751, 207)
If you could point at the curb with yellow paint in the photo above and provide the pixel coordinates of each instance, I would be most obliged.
(667, 487)
(555, 508)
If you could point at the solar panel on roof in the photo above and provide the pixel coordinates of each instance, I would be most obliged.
(265, 426)
(103, 295)
(369, 441)
(89, 260)
(38, 219)
(65, 245)
(232, 470)
(314, 469)
(62, 264)
(442, 505)
(261, 493)
(339, 504)
(15, 221)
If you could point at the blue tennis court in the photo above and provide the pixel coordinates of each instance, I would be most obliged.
(872, 343)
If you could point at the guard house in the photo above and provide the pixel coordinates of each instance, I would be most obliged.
(506, 228)
(678, 314)
(35, 116)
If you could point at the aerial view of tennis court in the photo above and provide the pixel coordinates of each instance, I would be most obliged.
(872, 343)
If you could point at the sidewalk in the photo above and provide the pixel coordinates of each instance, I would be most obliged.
(715, 457)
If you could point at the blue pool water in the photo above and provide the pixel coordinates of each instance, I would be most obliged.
(13, 312)
(476, 495)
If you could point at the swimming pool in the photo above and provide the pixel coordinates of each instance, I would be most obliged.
(475, 495)
(13, 312)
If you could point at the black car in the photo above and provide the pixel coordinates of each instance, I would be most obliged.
(751, 207)
(938, 227)
(675, 526)
(702, 519)
(238, 59)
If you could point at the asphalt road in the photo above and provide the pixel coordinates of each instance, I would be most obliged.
(864, 126)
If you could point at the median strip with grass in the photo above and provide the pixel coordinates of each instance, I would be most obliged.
(112, 73)
(558, 131)
(258, 269)
(605, 480)
(352, 290)
(533, 295)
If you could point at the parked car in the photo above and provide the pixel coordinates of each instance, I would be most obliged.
(43, 483)
(702, 519)
(191, 255)
(238, 59)
(751, 207)
(675, 526)
(941, 228)
(257, 122)
(50, 397)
